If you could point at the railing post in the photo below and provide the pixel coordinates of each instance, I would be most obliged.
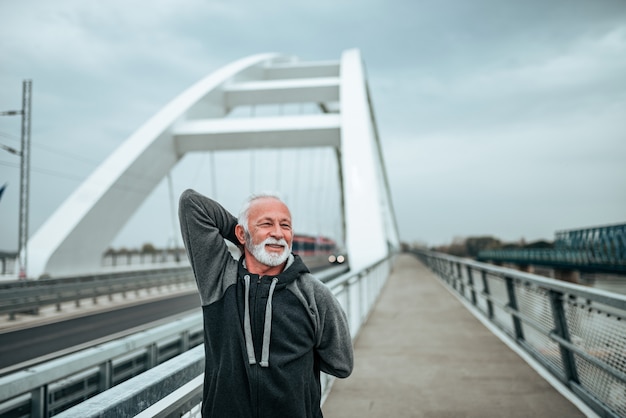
(353, 302)
(106, 376)
(348, 309)
(517, 324)
(446, 273)
(470, 280)
(561, 329)
(449, 278)
(152, 354)
(487, 294)
(362, 297)
(184, 341)
(39, 402)
(459, 275)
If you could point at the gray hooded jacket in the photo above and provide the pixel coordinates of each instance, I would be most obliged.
(266, 338)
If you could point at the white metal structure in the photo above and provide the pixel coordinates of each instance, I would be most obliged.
(74, 238)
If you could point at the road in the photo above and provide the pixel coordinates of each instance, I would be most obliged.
(24, 345)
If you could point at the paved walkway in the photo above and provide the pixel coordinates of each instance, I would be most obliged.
(423, 354)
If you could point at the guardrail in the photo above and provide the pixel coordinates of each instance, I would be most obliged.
(577, 334)
(49, 388)
(28, 296)
(174, 389)
(31, 295)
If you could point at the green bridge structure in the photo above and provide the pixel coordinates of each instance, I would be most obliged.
(599, 249)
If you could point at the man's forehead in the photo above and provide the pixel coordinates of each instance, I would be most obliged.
(266, 206)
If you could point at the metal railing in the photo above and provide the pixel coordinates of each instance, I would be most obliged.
(577, 334)
(31, 295)
(162, 392)
(46, 389)
(136, 257)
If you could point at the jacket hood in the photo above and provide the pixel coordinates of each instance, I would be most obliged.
(294, 268)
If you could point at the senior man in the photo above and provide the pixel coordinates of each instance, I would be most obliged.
(270, 327)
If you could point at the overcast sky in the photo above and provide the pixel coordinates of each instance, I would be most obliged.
(502, 118)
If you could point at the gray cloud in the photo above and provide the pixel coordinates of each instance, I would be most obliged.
(501, 118)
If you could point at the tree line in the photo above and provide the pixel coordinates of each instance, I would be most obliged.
(471, 246)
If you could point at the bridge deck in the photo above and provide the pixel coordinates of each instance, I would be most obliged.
(423, 354)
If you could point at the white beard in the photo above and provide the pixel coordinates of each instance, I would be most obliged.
(259, 252)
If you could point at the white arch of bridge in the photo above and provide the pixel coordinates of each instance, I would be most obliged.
(74, 238)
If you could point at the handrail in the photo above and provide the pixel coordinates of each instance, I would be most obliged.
(576, 333)
(31, 378)
(130, 397)
(31, 295)
(133, 271)
(356, 291)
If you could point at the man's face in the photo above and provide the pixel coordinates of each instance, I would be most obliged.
(270, 234)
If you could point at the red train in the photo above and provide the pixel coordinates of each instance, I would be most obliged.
(317, 251)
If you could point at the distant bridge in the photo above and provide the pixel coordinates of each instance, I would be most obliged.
(591, 250)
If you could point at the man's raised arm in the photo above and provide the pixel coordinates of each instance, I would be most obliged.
(204, 225)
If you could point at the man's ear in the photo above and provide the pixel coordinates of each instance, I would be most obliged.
(240, 234)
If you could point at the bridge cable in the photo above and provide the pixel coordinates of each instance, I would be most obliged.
(252, 158)
(279, 155)
(194, 181)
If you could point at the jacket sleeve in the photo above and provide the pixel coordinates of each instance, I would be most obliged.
(334, 342)
(204, 225)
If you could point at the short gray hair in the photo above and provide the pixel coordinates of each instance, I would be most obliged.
(245, 209)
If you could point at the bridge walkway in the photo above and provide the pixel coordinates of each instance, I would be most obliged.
(423, 354)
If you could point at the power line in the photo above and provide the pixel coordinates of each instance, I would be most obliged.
(9, 136)
(67, 154)
(66, 176)
(9, 164)
(44, 171)
(53, 150)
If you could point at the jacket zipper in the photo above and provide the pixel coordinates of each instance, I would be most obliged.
(256, 366)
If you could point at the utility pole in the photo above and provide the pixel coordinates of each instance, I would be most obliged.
(24, 154)
(25, 178)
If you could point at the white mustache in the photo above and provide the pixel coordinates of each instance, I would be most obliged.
(275, 241)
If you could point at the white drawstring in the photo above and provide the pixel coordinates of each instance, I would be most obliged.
(247, 328)
(267, 327)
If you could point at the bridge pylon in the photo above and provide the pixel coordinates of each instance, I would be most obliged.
(74, 238)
